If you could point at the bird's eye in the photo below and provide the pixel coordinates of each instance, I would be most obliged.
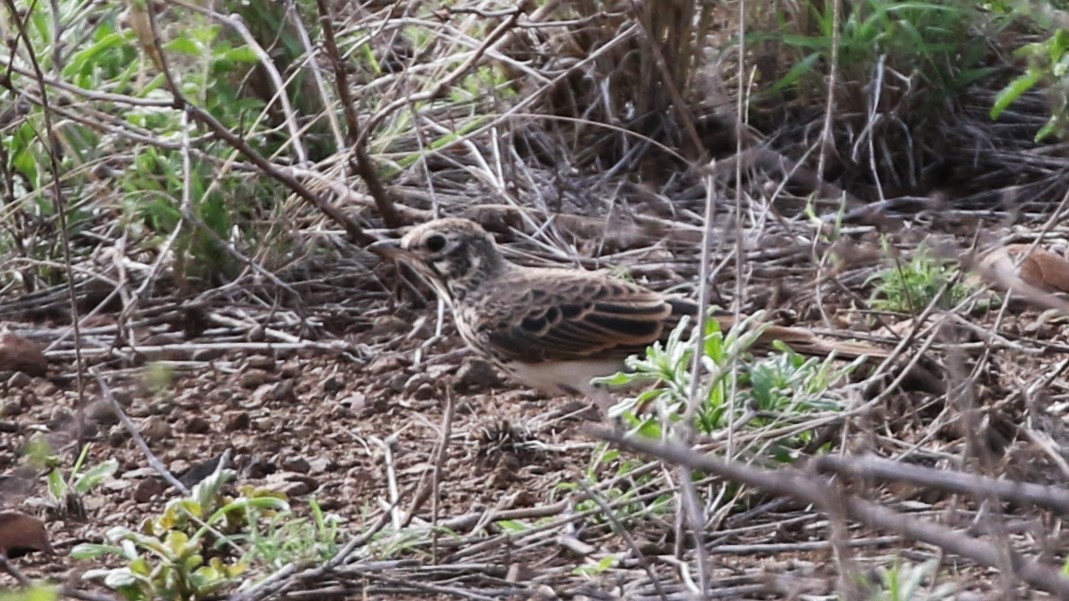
(435, 243)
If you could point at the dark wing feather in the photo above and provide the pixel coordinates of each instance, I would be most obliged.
(576, 316)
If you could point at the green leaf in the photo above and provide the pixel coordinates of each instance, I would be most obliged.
(1014, 90)
(95, 475)
(94, 550)
(33, 593)
(241, 54)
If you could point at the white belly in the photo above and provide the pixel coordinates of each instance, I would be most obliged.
(571, 377)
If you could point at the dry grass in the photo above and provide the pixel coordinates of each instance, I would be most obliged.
(579, 133)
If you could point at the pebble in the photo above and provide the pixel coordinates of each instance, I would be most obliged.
(261, 362)
(19, 380)
(155, 429)
(333, 383)
(290, 369)
(478, 374)
(237, 421)
(251, 378)
(148, 488)
(198, 425)
(283, 391)
(101, 412)
(296, 464)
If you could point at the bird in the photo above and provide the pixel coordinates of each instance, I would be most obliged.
(556, 329)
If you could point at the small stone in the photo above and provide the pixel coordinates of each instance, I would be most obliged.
(333, 383)
(117, 436)
(478, 374)
(101, 412)
(294, 485)
(155, 429)
(385, 364)
(290, 369)
(198, 425)
(296, 464)
(19, 354)
(283, 391)
(10, 408)
(425, 392)
(19, 380)
(208, 354)
(163, 407)
(321, 465)
(148, 488)
(259, 469)
(59, 418)
(251, 378)
(237, 421)
(124, 397)
(261, 362)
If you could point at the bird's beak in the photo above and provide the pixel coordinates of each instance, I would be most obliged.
(387, 248)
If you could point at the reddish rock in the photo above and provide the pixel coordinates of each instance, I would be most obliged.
(20, 354)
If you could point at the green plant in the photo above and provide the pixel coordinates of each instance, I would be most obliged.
(284, 538)
(933, 41)
(1048, 65)
(623, 497)
(911, 286)
(67, 487)
(733, 385)
(202, 543)
(905, 581)
(33, 593)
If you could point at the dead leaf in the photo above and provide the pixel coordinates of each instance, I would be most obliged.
(20, 354)
(21, 534)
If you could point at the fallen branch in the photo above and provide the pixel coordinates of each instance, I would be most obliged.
(810, 489)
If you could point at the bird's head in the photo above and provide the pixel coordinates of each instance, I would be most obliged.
(455, 255)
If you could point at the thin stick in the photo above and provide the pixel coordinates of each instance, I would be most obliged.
(153, 461)
(811, 489)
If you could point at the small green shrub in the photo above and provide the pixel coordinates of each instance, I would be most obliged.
(1048, 67)
(782, 386)
(202, 543)
(906, 581)
(910, 287)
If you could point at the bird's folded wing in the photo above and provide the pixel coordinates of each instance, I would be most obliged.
(580, 319)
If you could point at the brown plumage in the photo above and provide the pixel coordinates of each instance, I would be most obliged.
(555, 329)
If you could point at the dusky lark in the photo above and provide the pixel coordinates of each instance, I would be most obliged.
(556, 329)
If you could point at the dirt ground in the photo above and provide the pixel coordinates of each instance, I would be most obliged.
(337, 425)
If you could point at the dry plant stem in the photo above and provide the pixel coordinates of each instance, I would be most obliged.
(811, 489)
(294, 17)
(678, 103)
(826, 138)
(451, 78)
(360, 161)
(352, 228)
(287, 577)
(59, 201)
(392, 488)
(629, 540)
(439, 463)
(1052, 497)
(136, 435)
(16, 573)
(427, 486)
